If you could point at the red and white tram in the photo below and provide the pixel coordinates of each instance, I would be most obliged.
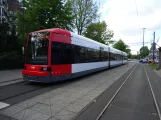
(56, 54)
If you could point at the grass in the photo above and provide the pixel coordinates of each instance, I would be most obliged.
(153, 66)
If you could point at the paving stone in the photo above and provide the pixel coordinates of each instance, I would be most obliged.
(55, 109)
(68, 100)
(73, 90)
(87, 98)
(26, 104)
(51, 110)
(53, 118)
(22, 115)
(11, 110)
(38, 98)
(82, 102)
(74, 108)
(51, 101)
(56, 101)
(64, 115)
(72, 99)
(92, 95)
(48, 110)
(71, 108)
(101, 89)
(68, 93)
(39, 106)
(46, 102)
(95, 91)
(60, 104)
(38, 116)
(57, 92)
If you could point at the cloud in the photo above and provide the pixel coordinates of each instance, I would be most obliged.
(121, 17)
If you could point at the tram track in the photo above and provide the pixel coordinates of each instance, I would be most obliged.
(15, 93)
(105, 108)
(154, 97)
(18, 90)
(104, 113)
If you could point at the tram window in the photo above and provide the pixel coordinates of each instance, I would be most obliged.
(76, 54)
(63, 53)
(90, 55)
(86, 55)
(112, 57)
(82, 54)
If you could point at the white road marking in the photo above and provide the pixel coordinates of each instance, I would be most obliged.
(3, 105)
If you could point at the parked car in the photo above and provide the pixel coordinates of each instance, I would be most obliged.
(145, 60)
(141, 60)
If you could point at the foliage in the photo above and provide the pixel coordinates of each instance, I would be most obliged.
(9, 43)
(98, 32)
(10, 53)
(136, 56)
(144, 51)
(120, 45)
(44, 14)
(11, 60)
(153, 66)
(85, 12)
(129, 55)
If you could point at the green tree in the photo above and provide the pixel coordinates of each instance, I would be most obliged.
(98, 32)
(144, 51)
(136, 56)
(85, 12)
(120, 45)
(44, 14)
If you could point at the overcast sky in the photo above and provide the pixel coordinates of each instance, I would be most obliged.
(121, 17)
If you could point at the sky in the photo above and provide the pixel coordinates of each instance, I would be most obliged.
(127, 18)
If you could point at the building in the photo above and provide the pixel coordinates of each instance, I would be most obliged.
(13, 6)
(4, 15)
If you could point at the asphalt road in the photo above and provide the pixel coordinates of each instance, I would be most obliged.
(134, 101)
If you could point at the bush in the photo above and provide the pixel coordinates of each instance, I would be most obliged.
(11, 60)
(153, 66)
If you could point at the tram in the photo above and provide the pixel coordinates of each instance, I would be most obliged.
(56, 54)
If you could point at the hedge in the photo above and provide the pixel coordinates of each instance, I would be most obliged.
(11, 60)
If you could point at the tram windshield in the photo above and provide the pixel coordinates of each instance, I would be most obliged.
(37, 48)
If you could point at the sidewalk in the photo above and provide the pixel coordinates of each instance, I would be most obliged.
(7, 76)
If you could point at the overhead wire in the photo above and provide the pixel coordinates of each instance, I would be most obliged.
(137, 15)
